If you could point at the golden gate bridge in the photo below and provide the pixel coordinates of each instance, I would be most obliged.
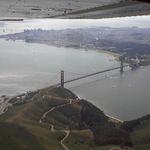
(63, 82)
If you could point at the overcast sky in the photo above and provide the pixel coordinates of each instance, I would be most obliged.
(9, 27)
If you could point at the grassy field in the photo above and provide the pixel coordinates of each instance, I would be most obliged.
(141, 136)
(14, 137)
(81, 140)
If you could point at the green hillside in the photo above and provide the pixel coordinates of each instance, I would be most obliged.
(55, 117)
(140, 132)
(14, 137)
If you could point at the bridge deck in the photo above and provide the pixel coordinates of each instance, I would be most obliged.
(89, 75)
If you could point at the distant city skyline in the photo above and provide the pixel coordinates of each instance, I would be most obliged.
(56, 24)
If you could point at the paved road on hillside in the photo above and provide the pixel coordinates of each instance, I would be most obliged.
(4, 104)
(52, 128)
(62, 141)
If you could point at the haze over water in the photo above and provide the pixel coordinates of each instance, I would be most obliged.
(26, 66)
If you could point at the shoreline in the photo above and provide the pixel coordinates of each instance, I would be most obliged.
(99, 50)
(114, 54)
(17, 99)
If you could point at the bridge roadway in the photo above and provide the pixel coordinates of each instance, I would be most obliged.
(89, 75)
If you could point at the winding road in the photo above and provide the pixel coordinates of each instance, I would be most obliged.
(4, 104)
(62, 141)
(52, 128)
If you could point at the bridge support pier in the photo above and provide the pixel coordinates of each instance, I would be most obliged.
(62, 78)
(121, 64)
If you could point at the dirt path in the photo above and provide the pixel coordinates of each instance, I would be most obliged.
(52, 128)
(4, 104)
(62, 141)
